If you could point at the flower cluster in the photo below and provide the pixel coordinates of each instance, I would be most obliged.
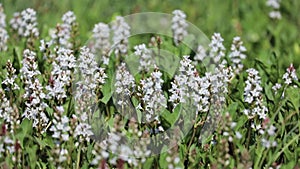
(253, 95)
(188, 85)
(25, 23)
(125, 84)
(152, 95)
(118, 150)
(179, 26)
(200, 54)
(91, 78)
(217, 49)
(61, 74)
(237, 54)
(146, 60)
(101, 41)
(121, 34)
(290, 75)
(3, 33)
(65, 32)
(10, 79)
(34, 94)
(275, 5)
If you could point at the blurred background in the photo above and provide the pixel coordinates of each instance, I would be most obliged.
(246, 18)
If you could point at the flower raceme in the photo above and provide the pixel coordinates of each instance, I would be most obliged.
(179, 26)
(25, 23)
(121, 32)
(3, 33)
(34, 94)
(253, 95)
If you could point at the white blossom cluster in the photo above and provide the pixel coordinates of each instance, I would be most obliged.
(34, 94)
(229, 129)
(200, 54)
(253, 95)
(45, 49)
(10, 79)
(188, 85)
(218, 89)
(268, 132)
(118, 149)
(121, 34)
(290, 75)
(237, 54)
(146, 60)
(152, 95)
(125, 83)
(101, 42)
(61, 156)
(92, 77)
(7, 113)
(7, 146)
(275, 5)
(186, 78)
(217, 49)
(25, 23)
(3, 33)
(61, 74)
(60, 127)
(83, 130)
(10, 123)
(288, 78)
(173, 159)
(179, 26)
(63, 33)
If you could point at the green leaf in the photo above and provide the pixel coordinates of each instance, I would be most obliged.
(293, 95)
(31, 151)
(42, 143)
(148, 163)
(171, 118)
(107, 88)
(269, 92)
(26, 129)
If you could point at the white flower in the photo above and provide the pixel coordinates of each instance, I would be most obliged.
(271, 130)
(216, 48)
(90, 78)
(121, 34)
(11, 77)
(275, 5)
(101, 42)
(253, 95)
(25, 23)
(34, 95)
(276, 87)
(237, 54)
(146, 60)
(2, 17)
(275, 15)
(61, 74)
(125, 83)
(290, 75)
(3, 33)
(63, 33)
(152, 95)
(83, 130)
(179, 26)
(200, 53)
(238, 135)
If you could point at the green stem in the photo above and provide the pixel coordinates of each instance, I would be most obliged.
(78, 158)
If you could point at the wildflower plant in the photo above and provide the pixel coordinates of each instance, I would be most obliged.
(147, 90)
